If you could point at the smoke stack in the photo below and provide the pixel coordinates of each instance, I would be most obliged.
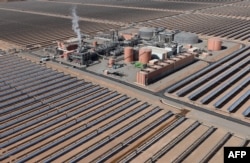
(75, 25)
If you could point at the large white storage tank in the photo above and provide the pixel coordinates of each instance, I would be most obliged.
(186, 38)
(146, 33)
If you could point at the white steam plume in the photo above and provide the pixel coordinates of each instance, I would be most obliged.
(75, 25)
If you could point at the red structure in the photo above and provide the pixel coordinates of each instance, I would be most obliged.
(161, 69)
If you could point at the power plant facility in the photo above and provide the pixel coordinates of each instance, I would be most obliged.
(124, 81)
(142, 56)
(157, 52)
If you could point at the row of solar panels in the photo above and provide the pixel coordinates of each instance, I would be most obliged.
(57, 111)
(61, 128)
(34, 91)
(11, 85)
(31, 72)
(21, 72)
(31, 84)
(38, 85)
(179, 138)
(215, 81)
(5, 59)
(31, 77)
(2, 84)
(194, 145)
(205, 70)
(225, 85)
(62, 95)
(82, 128)
(65, 90)
(222, 69)
(218, 146)
(53, 122)
(13, 89)
(15, 68)
(232, 70)
(101, 129)
(35, 109)
(7, 67)
(152, 140)
(244, 98)
(239, 101)
(113, 135)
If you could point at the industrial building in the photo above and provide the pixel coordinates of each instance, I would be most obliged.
(157, 51)
(123, 81)
(160, 69)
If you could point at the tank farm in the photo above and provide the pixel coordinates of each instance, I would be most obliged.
(130, 89)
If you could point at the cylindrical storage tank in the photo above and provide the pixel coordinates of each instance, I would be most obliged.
(169, 37)
(214, 44)
(111, 62)
(162, 36)
(146, 33)
(128, 54)
(186, 38)
(145, 55)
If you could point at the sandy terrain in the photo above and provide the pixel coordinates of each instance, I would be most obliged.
(6, 46)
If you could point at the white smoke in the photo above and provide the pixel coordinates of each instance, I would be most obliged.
(75, 25)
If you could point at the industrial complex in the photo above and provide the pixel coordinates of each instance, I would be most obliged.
(123, 81)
